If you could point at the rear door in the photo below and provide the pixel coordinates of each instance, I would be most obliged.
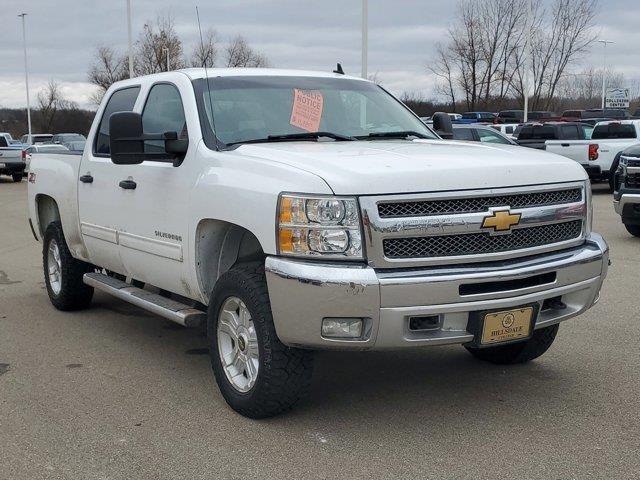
(99, 196)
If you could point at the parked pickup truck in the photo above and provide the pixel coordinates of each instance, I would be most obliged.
(287, 211)
(626, 194)
(535, 135)
(12, 160)
(599, 154)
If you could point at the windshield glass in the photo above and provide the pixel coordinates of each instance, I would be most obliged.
(247, 108)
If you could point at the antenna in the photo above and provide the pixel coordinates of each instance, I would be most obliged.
(339, 70)
(206, 74)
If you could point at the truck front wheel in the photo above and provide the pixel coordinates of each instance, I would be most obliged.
(63, 273)
(521, 352)
(258, 376)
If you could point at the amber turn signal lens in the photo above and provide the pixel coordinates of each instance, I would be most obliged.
(285, 210)
(285, 240)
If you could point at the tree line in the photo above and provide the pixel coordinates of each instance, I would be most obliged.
(481, 64)
(159, 48)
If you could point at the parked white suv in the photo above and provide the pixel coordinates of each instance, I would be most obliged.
(289, 211)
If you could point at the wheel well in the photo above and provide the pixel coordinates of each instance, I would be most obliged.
(219, 246)
(48, 212)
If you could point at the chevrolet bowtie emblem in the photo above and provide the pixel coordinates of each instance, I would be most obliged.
(501, 221)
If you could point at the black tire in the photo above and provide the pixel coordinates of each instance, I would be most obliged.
(73, 294)
(17, 177)
(633, 230)
(521, 352)
(284, 373)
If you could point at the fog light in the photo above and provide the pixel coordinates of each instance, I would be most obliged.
(342, 327)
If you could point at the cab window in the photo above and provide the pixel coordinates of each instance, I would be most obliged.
(163, 112)
(120, 101)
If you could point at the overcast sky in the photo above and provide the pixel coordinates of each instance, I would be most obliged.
(62, 36)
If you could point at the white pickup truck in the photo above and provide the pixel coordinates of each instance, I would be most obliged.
(289, 211)
(600, 155)
(12, 160)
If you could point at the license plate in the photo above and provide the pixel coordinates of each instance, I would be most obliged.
(506, 326)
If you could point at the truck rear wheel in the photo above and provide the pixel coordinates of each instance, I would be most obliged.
(17, 177)
(63, 273)
(521, 352)
(633, 229)
(258, 376)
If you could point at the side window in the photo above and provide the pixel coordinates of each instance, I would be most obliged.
(508, 130)
(163, 112)
(487, 136)
(120, 101)
(463, 134)
(570, 132)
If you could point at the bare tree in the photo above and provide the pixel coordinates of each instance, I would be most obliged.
(557, 40)
(206, 52)
(238, 53)
(107, 68)
(443, 69)
(50, 102)
(158, 43)
(482, 61)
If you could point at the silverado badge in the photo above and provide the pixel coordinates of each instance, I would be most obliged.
(501, 221)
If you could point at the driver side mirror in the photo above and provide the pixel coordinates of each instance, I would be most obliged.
(127, 142)
(442, 125)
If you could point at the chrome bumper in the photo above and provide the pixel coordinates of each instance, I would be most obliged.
(626, 198)
(303, 293)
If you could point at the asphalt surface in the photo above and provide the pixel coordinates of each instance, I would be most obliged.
(115, 393)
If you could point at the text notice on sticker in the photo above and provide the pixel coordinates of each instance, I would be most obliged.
(307, 109)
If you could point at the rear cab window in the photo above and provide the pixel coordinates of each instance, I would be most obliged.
(121, 100)
(614, 130)
(537, 132)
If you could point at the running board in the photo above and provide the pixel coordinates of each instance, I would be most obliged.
(152, 302)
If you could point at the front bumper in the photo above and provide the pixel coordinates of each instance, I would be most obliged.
(627, 204)
(303, 293)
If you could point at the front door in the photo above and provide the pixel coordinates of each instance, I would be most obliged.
(153, 240)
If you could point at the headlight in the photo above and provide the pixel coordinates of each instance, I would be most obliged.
(319, 226)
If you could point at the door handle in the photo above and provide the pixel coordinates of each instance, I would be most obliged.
(565, 144)
(128, 184)
(86, 178)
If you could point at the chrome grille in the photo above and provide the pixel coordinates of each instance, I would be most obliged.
(477, 204)
(481, 243)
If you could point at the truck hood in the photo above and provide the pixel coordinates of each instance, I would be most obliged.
(401, 166)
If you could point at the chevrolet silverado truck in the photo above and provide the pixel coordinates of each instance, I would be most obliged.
(12, 160)
(287, 211)
(600, 154)
(626, 194)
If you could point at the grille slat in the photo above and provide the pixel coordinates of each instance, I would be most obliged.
(481, 243)
(632, 180)
(477, 204)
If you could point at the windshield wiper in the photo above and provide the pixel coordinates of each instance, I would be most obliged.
(400, 134)
(296, 136)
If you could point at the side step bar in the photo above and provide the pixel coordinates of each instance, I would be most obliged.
(165, 307)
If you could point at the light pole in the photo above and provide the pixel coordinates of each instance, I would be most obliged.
(26, 71)
(604, 68)
(525, 59)
(130, 39)
(365, 36)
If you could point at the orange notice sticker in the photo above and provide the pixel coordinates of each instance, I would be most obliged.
(307, 109)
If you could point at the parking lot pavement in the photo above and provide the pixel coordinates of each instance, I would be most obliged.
(115, 393)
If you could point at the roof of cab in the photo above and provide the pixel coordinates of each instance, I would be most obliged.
(195, 73)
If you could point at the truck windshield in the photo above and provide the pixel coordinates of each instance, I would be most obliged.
(281, 108)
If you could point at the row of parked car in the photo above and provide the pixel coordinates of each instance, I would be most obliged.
(15, 155)
(596, 143)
